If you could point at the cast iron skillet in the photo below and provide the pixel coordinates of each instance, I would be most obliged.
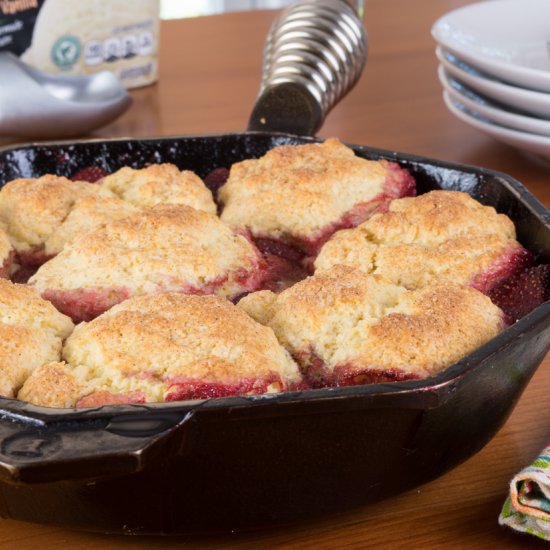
(247, 462)
(244, 462)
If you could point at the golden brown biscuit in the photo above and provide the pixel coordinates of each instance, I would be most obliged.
(190, 347)
(160, 184)
(443, 235)
(301, 194)
(168, 248)
(346, 327)
(7, 255)
(52, 385)
(33, 210)
(31, 333)
(88, 212)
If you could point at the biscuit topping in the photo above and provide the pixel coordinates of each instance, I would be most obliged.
(190, 347)
(343, 325)
(160, 184)
(31, 332)
(303, 193)
(443, 235)
(168, 248)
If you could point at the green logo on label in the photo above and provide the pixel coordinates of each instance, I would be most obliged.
(66, 51)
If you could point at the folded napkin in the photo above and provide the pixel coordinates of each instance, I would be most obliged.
(527, 509)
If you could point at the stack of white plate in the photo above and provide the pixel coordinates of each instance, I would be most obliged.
(495, 69)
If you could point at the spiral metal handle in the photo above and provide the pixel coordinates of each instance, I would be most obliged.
(314, 54)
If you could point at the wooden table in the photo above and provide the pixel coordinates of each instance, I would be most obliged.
(209, 75)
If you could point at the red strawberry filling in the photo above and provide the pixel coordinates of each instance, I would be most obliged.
(103, 397)
(23, 274)
(348, 375)
(282, 273)
(514, 260)
(91, 174)
(520, 294)
(215, 179)
(399, 182)
(181, 388)
(85, 304)
(275, 247)
(320, 375)
(34, 257)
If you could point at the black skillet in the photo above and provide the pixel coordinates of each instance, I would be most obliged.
(248, 462)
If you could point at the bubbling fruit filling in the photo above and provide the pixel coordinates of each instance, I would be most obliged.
(34, 258)
(319, 374)
(521, 293)
(180, 389)
(91, 174)
(103, 397)
(85, 304)
(513, 261)
(215, 179)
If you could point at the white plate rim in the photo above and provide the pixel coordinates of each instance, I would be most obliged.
(536, 103)
(517, 74)
(513, 120)
(533, 143)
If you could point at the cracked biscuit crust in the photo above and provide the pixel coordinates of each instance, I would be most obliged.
(36, 211)
(162, 249)
(346, 327)
(160, 184)
(303, 193)
(439, 235)
(190, 347)
(31, 333)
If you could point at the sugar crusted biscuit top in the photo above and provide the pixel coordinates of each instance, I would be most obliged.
(87, 213)
(31, 333)
(33, 209)
(347, 318)
(167, 247)
(299, 189)
(182, 340)
(439, 235)
(160, 184)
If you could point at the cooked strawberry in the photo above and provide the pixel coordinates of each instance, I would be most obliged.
(24, 273)
(522, 292)
(90, 174)
(278, 248)
(215, 179)
(282, 273)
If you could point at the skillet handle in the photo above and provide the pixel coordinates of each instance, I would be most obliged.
(314, 54)
(86, 447)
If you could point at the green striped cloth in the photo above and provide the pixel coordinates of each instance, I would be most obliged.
(527, 509)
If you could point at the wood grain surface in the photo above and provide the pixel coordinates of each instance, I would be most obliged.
(209, 76)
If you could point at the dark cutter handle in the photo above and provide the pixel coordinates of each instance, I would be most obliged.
(83, 447)
(314, 54)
